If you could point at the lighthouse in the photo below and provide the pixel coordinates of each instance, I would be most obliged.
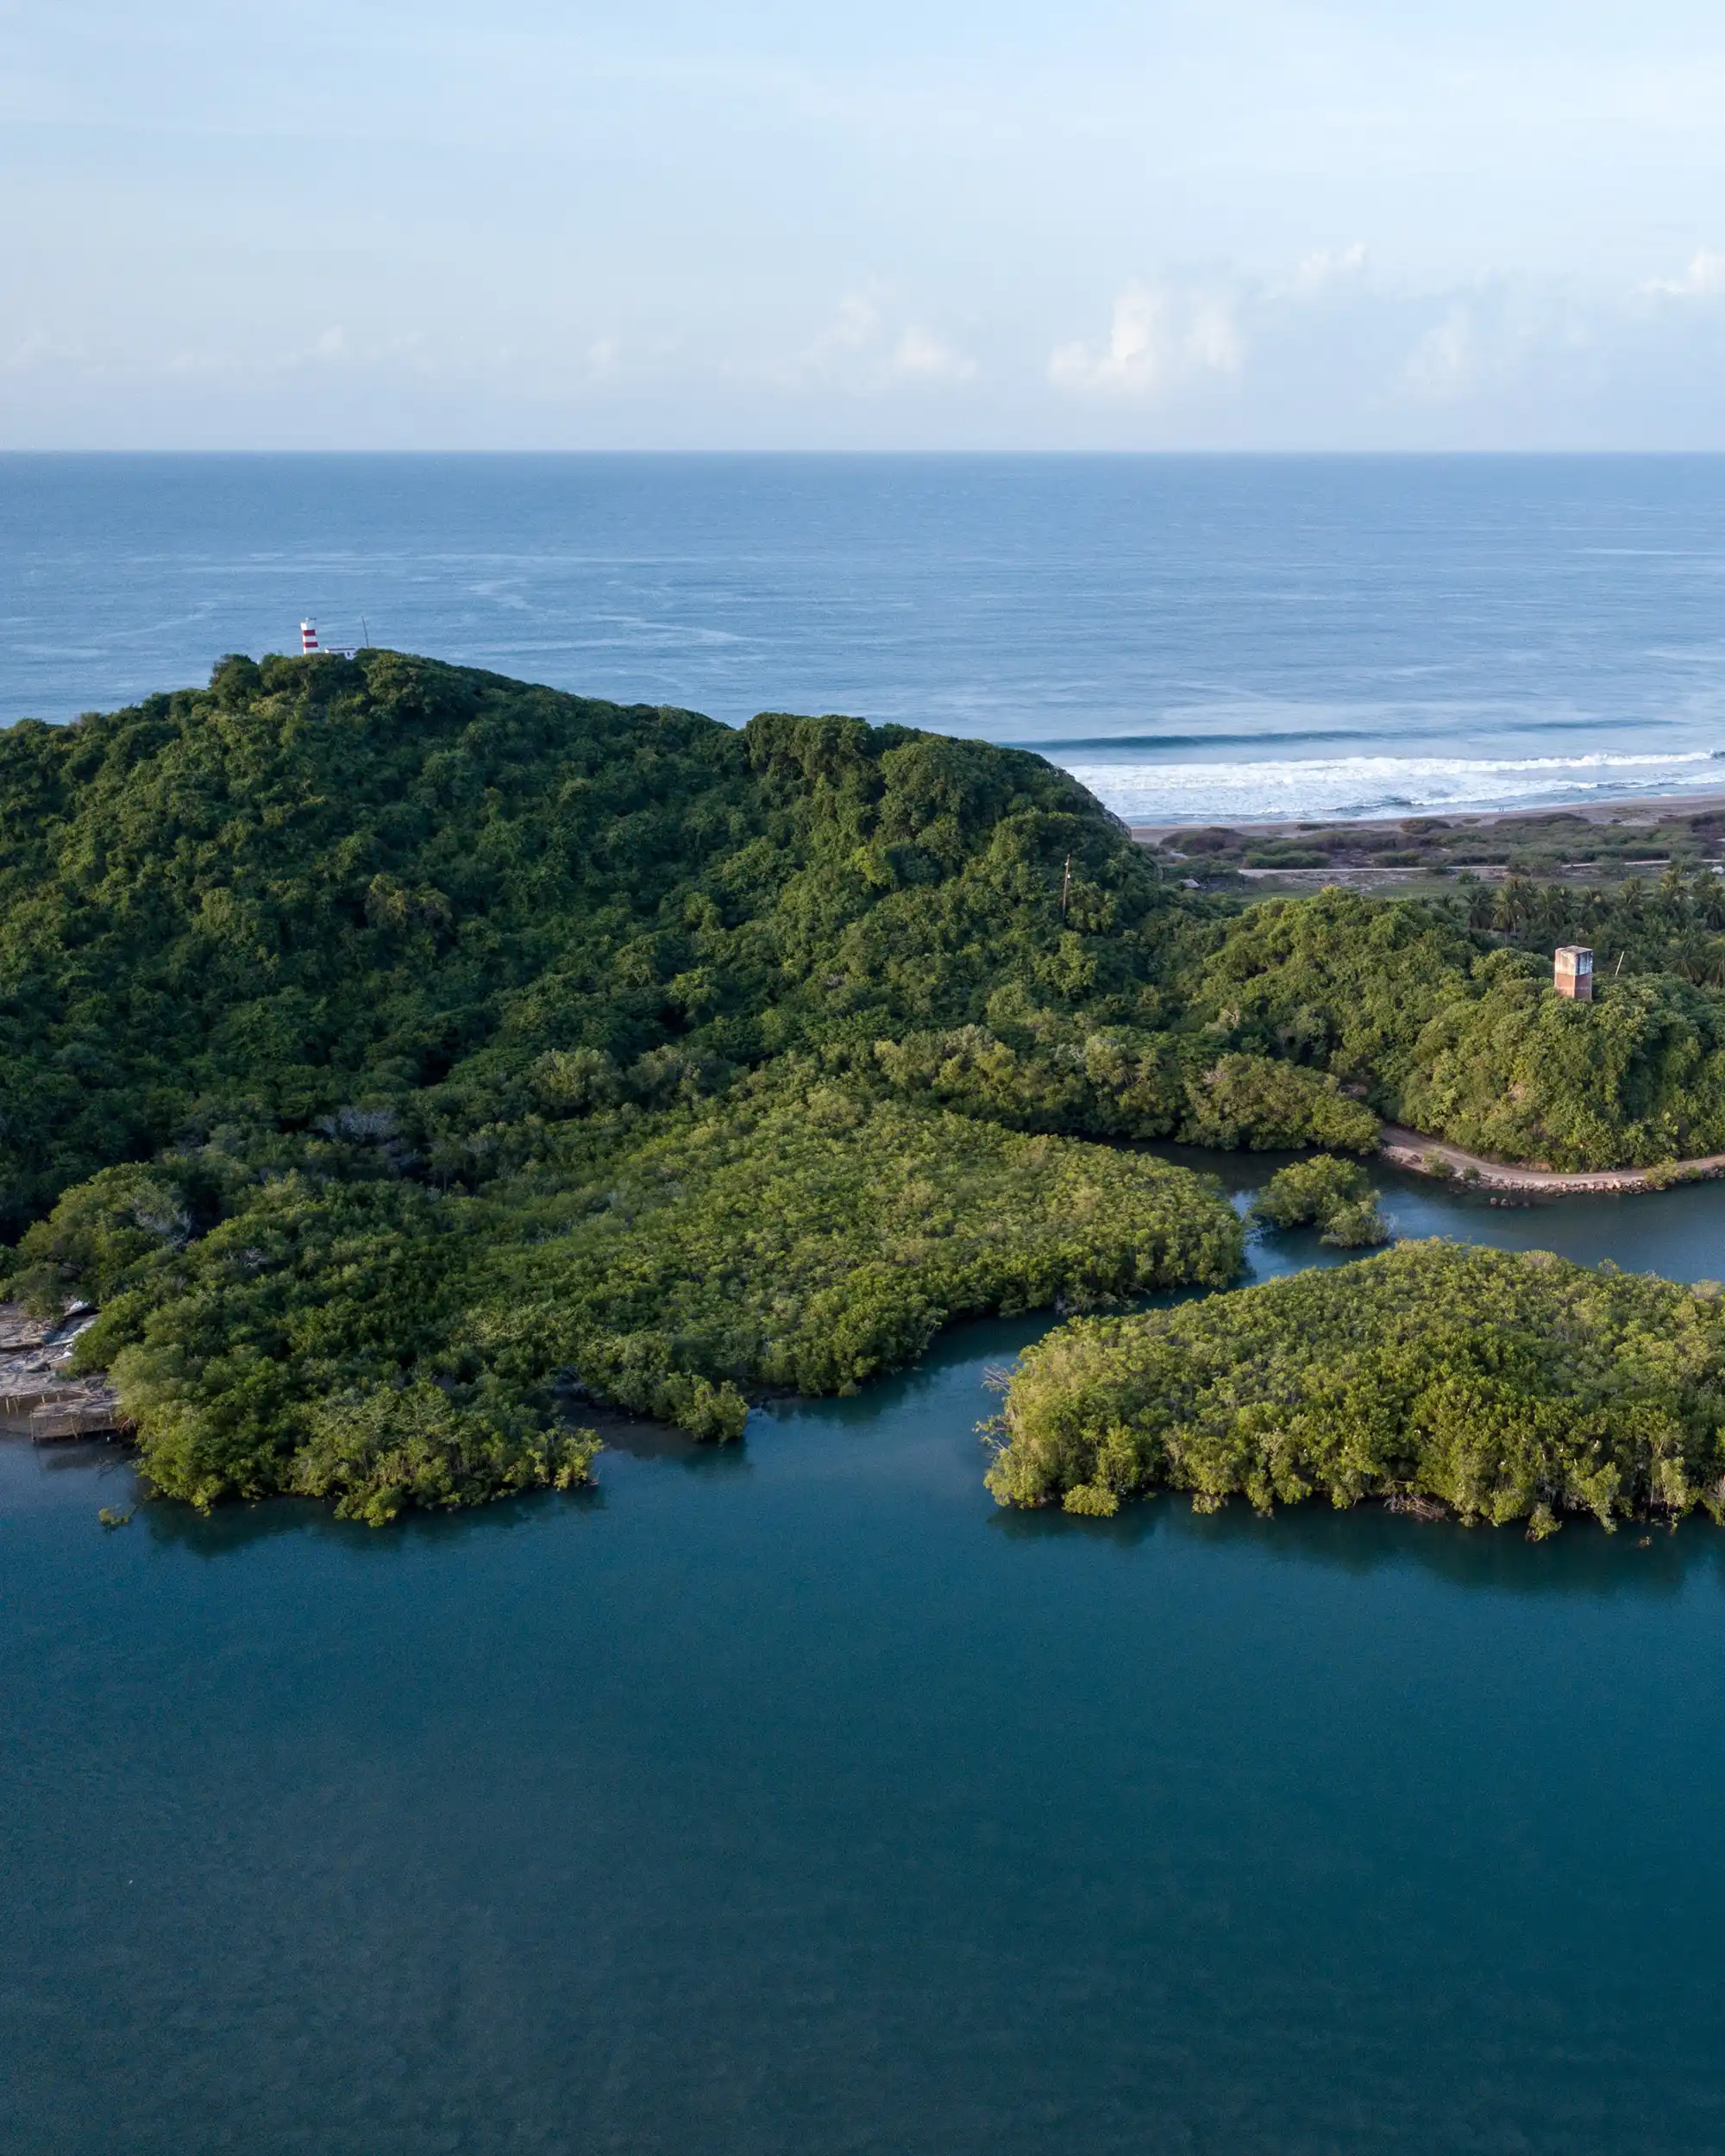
(308, 635)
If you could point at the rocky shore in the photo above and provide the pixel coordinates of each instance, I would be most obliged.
(40, 1398)
(1436, 1157)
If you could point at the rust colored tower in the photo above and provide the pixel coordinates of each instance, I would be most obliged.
(1574, 964)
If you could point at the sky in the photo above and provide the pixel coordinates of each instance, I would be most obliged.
(1182, 225)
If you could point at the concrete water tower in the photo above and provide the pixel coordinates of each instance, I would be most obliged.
(1574, 964)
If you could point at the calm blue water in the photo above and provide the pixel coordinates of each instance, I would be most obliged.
(795, 1801)
(1196, 637)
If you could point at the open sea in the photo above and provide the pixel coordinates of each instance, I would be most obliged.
(791, 1800)
(1197, 638)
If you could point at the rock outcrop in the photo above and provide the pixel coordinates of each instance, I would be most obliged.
(39, 1397)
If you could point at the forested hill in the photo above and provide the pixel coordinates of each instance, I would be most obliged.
(324, 882)
(398, 1053)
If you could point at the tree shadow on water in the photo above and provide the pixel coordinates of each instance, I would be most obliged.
(229, 1529)
(1638, 1560)
(639, 1438)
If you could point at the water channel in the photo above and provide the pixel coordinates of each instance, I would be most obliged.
(795, 1799)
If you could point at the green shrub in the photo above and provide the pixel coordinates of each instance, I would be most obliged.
(1504, 1387)
(1521, 1073)
(373, 1341)
(813, 1236)
(1337, 982)
(1356, 1226)
(1335, 1195)
(1250, 1101)
(400, 1445)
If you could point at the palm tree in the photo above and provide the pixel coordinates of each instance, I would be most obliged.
(1517, 906)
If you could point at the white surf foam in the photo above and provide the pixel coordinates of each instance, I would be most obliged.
(1305, 789)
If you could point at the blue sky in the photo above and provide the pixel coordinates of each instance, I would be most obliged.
(755, 225)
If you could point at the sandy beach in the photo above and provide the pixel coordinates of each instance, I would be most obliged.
(1644, 808)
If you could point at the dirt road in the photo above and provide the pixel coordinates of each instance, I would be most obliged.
(1412, 1148)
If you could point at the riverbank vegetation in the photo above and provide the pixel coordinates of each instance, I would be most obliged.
(1496, 1386)
(348, 1329)
(1334, 1196)
(378, 1031)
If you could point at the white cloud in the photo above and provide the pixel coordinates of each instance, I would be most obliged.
(1503, 344)
(335, 350)
(1322, 354)
(1445, 362)
(864, 349)
(920, 357)
(38, 350)
(330, 348)
(1322, 350)
(855, 325)
(1162, 337)
(1702, 279)
(1321, 271)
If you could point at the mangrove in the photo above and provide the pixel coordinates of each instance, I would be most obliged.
(1496, 1386)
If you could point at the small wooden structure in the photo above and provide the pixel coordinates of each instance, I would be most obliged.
(1574, 963)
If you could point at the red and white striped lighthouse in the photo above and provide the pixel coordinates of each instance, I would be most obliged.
(308, 635)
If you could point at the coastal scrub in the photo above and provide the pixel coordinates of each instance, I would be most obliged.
(1502, 1387)
(349, 1331)
(1335, 1196)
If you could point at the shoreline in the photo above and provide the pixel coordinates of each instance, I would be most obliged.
(1637, 809)
(1412, 1149)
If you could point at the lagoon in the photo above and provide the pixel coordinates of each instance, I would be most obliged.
(793, 1798)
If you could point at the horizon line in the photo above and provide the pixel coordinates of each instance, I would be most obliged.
(1166, 455)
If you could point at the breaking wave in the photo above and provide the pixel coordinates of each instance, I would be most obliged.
(1306, 789)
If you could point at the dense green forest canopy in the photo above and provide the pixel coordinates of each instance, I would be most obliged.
(1496, 1385)
(398, 1054)
(327, 882)
(1334, 1196)
(803, 1233)
(376, 1030)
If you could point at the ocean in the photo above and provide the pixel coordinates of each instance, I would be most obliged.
(1196, 638)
